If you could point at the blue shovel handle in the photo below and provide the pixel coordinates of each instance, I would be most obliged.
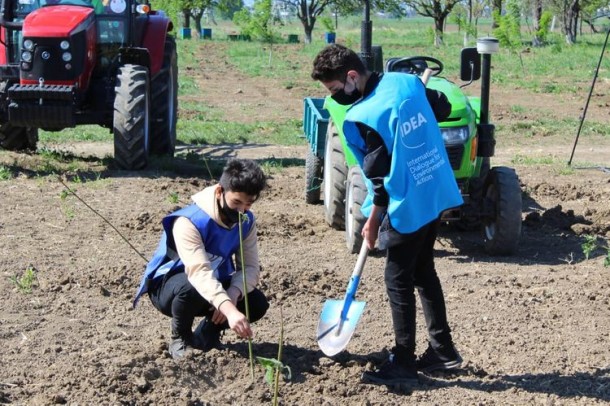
(354, 281)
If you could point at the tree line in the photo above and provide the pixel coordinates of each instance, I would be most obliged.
(259, 20)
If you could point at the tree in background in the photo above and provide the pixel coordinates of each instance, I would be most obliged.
(187, 9)
(542, 27)
(438, 10)
(466, 16)
(228, 8)
(509, 27)
(569, 12)
(496, 11)
(591, 11)
(307, 13)
(258, 24)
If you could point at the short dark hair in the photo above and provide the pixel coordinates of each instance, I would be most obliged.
(333, 63)
(243, 175)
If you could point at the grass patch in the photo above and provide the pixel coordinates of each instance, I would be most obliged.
(215, 131)
(83, 133)
(5, 173)
(26, 281)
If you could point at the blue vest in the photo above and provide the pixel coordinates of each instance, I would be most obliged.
(220, 245)
(420, 183)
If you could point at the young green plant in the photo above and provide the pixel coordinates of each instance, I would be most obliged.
(26, 281)
(275, 366)
(174, 197)
(589, 245)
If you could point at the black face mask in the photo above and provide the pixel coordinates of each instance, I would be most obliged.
(346, 99)
(231, 215)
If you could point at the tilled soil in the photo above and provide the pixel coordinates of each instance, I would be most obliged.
(533, 328)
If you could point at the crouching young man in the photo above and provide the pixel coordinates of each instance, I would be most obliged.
(197, 270)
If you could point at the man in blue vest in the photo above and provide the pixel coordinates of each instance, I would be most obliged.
(392, 129)
(194, 273)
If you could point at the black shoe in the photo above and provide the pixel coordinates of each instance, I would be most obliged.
(443, 359)
(179, 347)
(392, 373)
(207, 335)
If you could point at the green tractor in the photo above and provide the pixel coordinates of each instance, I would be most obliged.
(492, 195)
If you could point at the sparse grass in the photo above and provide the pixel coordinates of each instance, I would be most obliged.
(531, 160)
(518, 109)
(89, 133)
(26, 281)
(5, 173)
(210, 131)
(566, 170)
(174, 197)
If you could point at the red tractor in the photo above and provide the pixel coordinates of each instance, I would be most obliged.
(112, 63)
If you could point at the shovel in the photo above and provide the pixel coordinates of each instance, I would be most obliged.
(339, 317)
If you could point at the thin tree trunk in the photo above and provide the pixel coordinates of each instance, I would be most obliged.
(438, 31)
(496, 7)
(570, 21)
(537, 16)
(186, 15)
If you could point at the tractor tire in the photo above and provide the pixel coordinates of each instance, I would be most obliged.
(164, 110)
(354, 219)
(313, 177)
(131, 117)
(18, 138)
(502, 193)
(335, 176)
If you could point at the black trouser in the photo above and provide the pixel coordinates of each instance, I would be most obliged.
(175, 297)
(410, 265)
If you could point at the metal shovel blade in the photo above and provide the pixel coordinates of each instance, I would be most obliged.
(333, 332)
(339, 317)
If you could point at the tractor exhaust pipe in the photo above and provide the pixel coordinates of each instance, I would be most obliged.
(486, 47)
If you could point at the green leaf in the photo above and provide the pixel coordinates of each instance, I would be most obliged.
(271, 365)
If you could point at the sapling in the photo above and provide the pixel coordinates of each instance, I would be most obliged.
(243, 217)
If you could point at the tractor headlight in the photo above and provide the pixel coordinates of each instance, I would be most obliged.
(28, 45)
(64, 45)
(26, 56)
(66, 56)
(455, 135)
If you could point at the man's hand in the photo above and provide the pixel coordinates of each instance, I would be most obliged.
(234, 294)
(370, 230)
(239, 324)
(237, 320)
(218, 317)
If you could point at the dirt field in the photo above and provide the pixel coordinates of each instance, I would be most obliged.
(533, 328)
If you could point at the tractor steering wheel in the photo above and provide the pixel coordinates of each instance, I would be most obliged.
(415, 65)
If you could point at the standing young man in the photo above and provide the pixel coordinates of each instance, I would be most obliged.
(193, 272)
(392, 129)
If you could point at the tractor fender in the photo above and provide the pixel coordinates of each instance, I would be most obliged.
(155, 32)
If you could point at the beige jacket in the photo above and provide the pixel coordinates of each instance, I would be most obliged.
(191, 250)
